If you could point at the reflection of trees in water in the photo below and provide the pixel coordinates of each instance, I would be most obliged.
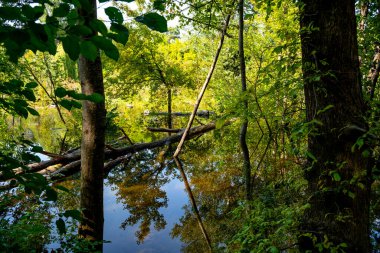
(25, 223)
(217, 187)
(138, 185)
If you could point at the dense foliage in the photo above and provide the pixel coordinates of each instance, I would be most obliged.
(150, 72)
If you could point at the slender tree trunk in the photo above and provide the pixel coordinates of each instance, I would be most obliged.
(92, 147)
(169, 122)
(244, 126)
(363, 14)
(375, 70)
(338, 179)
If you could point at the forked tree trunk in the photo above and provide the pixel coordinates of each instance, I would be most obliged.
(92, 147)
(339, 208)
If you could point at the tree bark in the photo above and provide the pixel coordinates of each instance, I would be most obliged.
(339, 203)
(92, 146)
(244, 126)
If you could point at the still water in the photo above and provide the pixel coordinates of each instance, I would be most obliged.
(157, 241)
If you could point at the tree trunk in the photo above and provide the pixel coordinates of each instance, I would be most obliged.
(169, 119)
(92, 147)
(337, 175)
(244, 126)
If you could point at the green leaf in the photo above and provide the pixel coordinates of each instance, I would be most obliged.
(62, 10)
(85, 4)
(71, 46)
(20, 102)
(66, 104)
(95, 97)
(366, 153)
(75, 95)
(51, 195)
(32, 111)
(154, 21)
(76, 104)
(273, 249)
(80, 30)
(36, 149)
(220, 123)
(106, 45)
(98, 26)
(60, 92)
(351, 194)
(114, 14)
(61, 188)
(20, 110)
(159, 5)
(10, 13)
(32, 13)
(325, 109)
(31, 157)
(29, 94)
(310, 155)
(122, 33)
(31, 85)
(75, 214)
(336, 176)
(278, 49)
(61, 226)
(73, 17)
(89, 50)
(15, 84)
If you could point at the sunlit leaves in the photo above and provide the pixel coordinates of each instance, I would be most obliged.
(154, 21)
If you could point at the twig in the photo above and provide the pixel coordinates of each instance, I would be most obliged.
(126, 136)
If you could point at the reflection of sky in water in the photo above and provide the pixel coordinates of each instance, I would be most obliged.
(157, 241)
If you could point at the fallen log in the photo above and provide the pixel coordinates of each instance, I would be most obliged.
(164, 130)
(69, 164)
(201, 113)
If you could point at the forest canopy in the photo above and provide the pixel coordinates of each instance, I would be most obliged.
(267, 111)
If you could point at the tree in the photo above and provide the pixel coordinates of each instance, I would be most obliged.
(93, 136)
(338, 173)
(33, 25)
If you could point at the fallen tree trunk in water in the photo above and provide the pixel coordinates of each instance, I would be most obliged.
(201, 113)
(68, 164)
